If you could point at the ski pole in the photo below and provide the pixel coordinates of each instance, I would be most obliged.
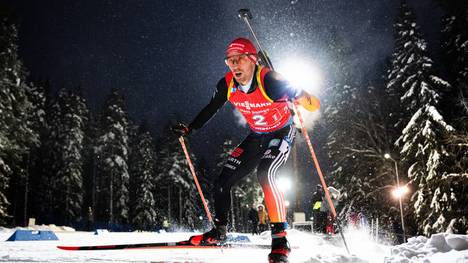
(314, 158)
(319, 172)
(192, 170)
(246, 15)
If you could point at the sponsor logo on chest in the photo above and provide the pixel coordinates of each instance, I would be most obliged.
(251, 105)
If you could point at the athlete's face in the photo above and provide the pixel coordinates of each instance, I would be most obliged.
(241, 66)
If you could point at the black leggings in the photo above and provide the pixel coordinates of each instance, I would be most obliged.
(266, 152)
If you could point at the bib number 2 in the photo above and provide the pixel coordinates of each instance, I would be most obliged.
(259, 120)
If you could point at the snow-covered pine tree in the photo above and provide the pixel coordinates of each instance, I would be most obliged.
(404, 34)
(17, 135)
(36, 95)
(354, 118)
(421, 142)
(450, 200)
(112, 154)
(174, 183)
(67, 135)
(357, 142)
(455, 45)
(187, 194)
(43, 188)
(90, 182)
(341, 174)
(142, 164)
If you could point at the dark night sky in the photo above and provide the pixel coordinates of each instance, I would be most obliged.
(167, 56)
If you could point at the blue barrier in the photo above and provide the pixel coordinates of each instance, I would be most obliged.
(32, 235)
(238, 238)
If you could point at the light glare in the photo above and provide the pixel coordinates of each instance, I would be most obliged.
(284, 184)
(400, 191)
(302, 75)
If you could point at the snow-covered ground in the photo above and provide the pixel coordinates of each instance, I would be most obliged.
(309, 248)
(440, 248)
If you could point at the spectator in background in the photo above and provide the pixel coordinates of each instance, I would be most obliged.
(166, 225)
(318, 215)
(328, 221)
(262, 219)
(90, 221)
(253, 219)
(353, 219)
(397, 230)
(363, 221)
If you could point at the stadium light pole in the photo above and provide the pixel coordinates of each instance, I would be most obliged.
(389, 157)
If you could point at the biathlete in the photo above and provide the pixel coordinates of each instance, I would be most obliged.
(261, 95)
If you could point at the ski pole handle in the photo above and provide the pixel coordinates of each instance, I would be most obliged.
(245, 13)
(192, 170)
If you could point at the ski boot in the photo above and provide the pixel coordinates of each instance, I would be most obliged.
(279, 244)
(216, 236)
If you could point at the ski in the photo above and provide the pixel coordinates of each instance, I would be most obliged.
(165, 245)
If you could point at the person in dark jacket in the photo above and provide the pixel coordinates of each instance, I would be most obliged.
(253, 220)
(317, 214)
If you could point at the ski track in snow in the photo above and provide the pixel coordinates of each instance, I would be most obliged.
(310, 248)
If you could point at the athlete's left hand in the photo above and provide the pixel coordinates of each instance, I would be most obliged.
(180, 129)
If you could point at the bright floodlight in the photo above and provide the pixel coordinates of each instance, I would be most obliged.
(400, 191)
(286, 203)
(284, 184)
(387, 156)
(301, 74)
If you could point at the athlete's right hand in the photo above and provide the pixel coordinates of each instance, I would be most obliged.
(180, 129)
(308, 101)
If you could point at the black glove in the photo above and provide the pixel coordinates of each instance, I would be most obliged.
(180, 129)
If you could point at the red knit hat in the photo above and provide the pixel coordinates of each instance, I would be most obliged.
(243, 46)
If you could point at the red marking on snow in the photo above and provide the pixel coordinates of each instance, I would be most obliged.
(68, 248)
